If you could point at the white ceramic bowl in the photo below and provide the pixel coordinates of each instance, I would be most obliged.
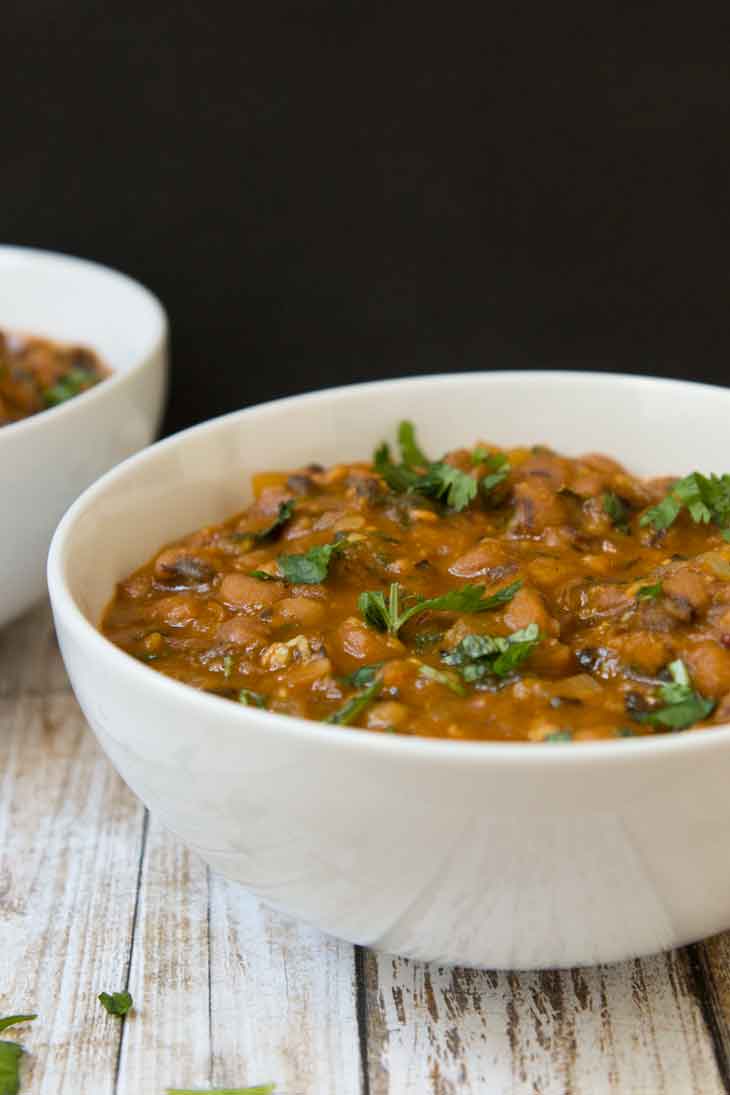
(48, 459)
(497, 855)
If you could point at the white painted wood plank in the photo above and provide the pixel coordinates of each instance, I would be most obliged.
(283, 1000)
(69, 849)
(167, 1041)
(634, 1028)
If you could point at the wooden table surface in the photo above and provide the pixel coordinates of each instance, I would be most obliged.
(95, 895)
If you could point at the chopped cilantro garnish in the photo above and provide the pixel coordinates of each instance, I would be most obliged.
(448, 484)
(411, 453)
(366, 674)
(726, 534)
(262, 575)
(73, 383)
(478, 656)
(427, 638)
(10, 1054)
(416, 474)
(559, 735)
(649, 593)
(441, 677)
(617, 510)
(706, 498)
(116, 1003)
(625, 732)
(251, 699)
(355, 706)
(682, 705)
(500, 466)
(390, 616)
(311, 567)
(286, 510)
(479, 455)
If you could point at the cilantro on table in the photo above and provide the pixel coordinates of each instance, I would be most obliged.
(478, 656)
(416, 474)
(116, 1003)
(257, 1089)
(706, 498)
(391, 615)
(617, 510)
(312, 567)
(682, 705)
(355, 706)
(10, 1054)
(649, 593)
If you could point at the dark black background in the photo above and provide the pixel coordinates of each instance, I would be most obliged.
(328, 192)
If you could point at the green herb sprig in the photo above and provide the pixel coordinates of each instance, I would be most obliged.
(116, 1003)
(10, 1055)
(682, 705)
(312, 567)
(416, 474)
(479, 656)
(617, 510)
(706, 498)
(355, 706)
(392, 615)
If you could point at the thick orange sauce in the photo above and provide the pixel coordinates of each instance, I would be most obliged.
(614, 603)
(36, 373)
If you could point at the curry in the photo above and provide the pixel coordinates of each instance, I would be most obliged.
(506, 595)
(37, 373)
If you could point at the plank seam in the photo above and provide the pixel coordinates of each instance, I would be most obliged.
(361, 1009)
(709, 1007)
(133, 936)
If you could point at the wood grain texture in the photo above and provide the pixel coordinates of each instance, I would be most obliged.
(635, 1027)
(283, 1000)
(69, 834)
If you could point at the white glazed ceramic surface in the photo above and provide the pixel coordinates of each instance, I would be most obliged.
(497, 855)
(48, 459)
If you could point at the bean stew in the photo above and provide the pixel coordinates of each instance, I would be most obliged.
(494, 594)
(37, 373)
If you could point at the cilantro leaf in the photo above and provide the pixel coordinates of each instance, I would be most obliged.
(262, 575)
(399, 477)
(649, 593)
(286, 511)
(441, 677)
(500, 466)
(417, 474)
(312, 567)
(366, 674)
(559, 735)
(116, 1003)
(355, 706)
(411, 453)
(617, 510)
(706, 498)
(257, 1089)
(391, 616)
(10, 1054)
(478, 656)
(73, 383)
(13, 1020)
(251, 699)
(682, 705)
(448, 484)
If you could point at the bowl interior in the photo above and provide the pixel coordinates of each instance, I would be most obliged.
(201, 476)
(73, 300)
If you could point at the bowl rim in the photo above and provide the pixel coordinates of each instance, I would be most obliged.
(421, 749)
(116, 377)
